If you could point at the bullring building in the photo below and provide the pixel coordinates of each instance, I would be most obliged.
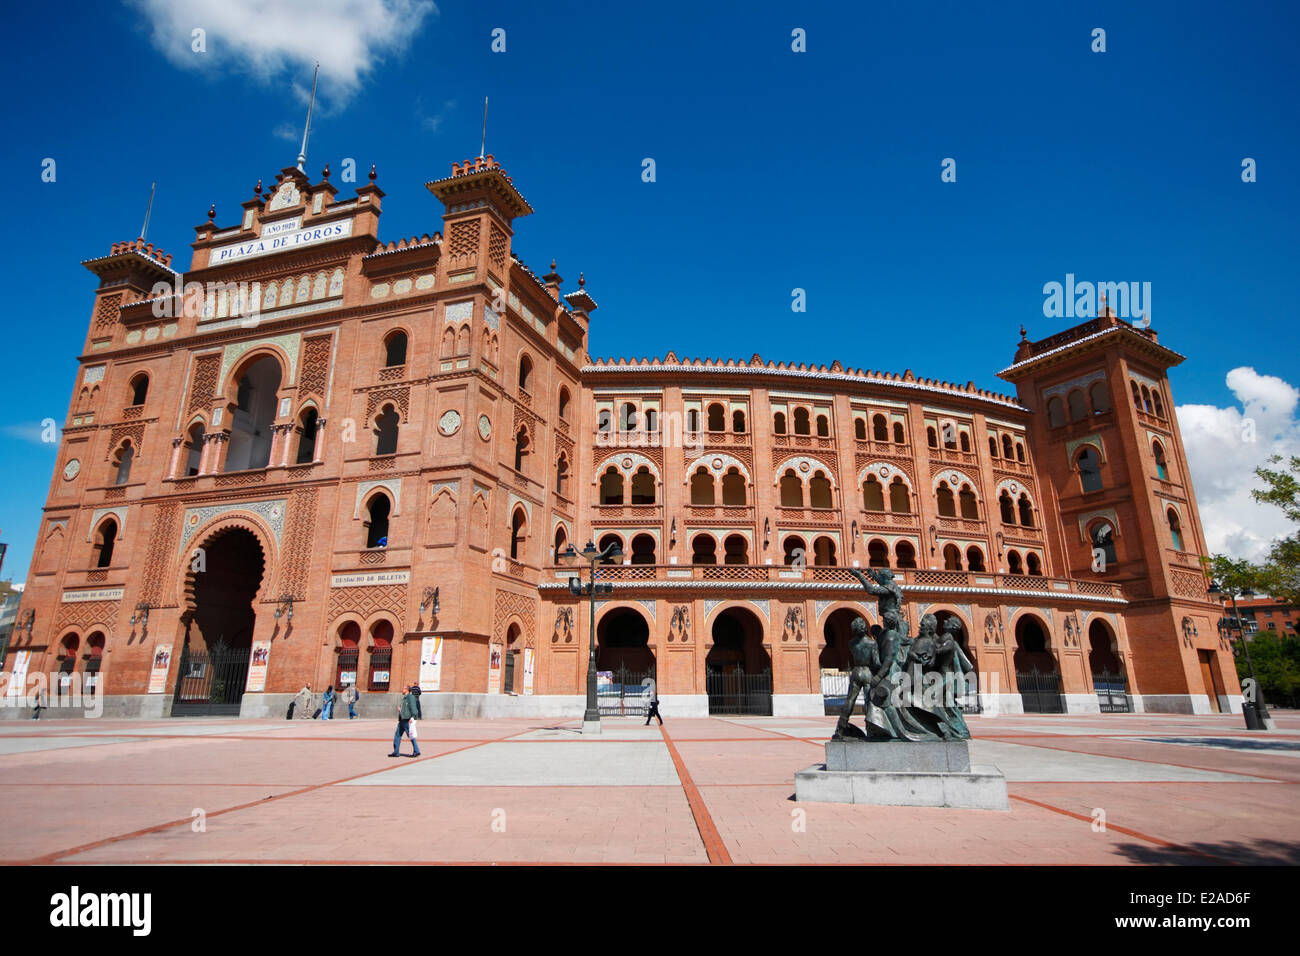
(319, 456)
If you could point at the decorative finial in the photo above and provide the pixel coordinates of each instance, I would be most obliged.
(257, 190)
(372, 172)
(1023, 333)
(325, 173)
(552, 265)
(581, 280)
(212, 212)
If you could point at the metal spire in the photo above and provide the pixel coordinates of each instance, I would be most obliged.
(483, 147)
(144, 230)
(302, 153)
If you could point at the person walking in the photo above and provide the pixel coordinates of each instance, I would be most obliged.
(350, 695)
(419, 712)
(653, 712)
(36, 705)
(327, 704)
(300, 707)
(404, 714)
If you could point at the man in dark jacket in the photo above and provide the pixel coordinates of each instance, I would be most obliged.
(405, 712)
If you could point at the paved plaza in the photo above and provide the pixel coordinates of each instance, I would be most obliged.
(1169, 789)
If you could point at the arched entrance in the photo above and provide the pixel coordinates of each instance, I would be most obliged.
(834, 658)
(349, 648)
(1037, 677)
(1107, 670)
(219, 625)
(625, 664)
(738, 670)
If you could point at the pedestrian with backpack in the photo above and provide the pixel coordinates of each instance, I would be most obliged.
(405, 711)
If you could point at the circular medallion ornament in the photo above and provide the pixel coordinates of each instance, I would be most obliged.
(717, 464)
(884, 471)
(484, 427)
(803, 466)
(1014, 488)
(627, 462)
(449, 424)
(71, 469)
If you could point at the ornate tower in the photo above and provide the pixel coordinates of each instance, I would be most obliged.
(1108, 447)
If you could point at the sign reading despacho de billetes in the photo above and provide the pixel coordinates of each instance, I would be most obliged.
(369, 580)
(103, 594)
(283, 243)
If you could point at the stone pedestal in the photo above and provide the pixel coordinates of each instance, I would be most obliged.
(899, 773)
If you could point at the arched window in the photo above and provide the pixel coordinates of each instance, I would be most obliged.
(801, 421)
(1007, 507)
(449, 342)
(1035, 567)
(125, 458)
(702, 491)
(255, 413)
(564, 404)
(605, 542)
(1026, 511)
(561, 542)
(1175, 529)
(873, 496)
(931, 438)
(306, 437)
(194, 454)
(974, 559)
(1078, 408)
(1160, 409)
(735, 550)
(139, 389)
(643, 487)
(386, 431)
(859, 429)
(969, 508)
(1146, 401)
(651, 420)
(898, 433)
(1020, 452)
(611, 487)
(1103, 538)
(643, 549)
(395, 349)
(627, 417)
(951, 557)
(778, 423)
(717, 418)
(1089, 464)
(518, 533)
(738, 422)
(794, 549)
(377, 512)
(704, 550)
(1099, 395)
(949, 435)
(1006, 447)
(604, 420)
(900, 502)
(947, 503)
(521, 448)
(733, 487)
(824, 551)
(905, 555)
(877, 554)
(879, 428)
(1137, 396)
(819, 491)
(525, 371)
(993, 447)
(1013, 563)
(791, 490)
(562, 475)
(104, 543)
(823, 427)
(1055, 412)
(965, 441)
(1162, 466)
(693, 420)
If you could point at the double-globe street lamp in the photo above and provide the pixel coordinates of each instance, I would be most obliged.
(591, 717)
(1255, 711)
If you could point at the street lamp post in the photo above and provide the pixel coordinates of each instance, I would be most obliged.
(591, 717)
(1256, 708)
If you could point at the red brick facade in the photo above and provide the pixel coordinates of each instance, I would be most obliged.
(284, 406)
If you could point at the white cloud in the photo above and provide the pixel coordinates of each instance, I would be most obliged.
(33, 432)
(268, 38)
(1223, 460)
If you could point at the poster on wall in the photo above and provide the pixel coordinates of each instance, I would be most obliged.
(257, 663)
(528, 670)
(18, 682)
(162, 663)
(431, 663)
(494, 668)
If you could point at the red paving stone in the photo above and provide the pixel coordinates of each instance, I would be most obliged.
(273, 793)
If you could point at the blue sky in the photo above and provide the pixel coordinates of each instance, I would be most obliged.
(775, 170)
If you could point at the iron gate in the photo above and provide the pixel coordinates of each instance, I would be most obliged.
(210, 682)
(624, 693)
(738, 692)
(1112, 693)
(1040, 693)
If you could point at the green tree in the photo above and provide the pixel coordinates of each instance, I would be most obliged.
(1280, 573)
